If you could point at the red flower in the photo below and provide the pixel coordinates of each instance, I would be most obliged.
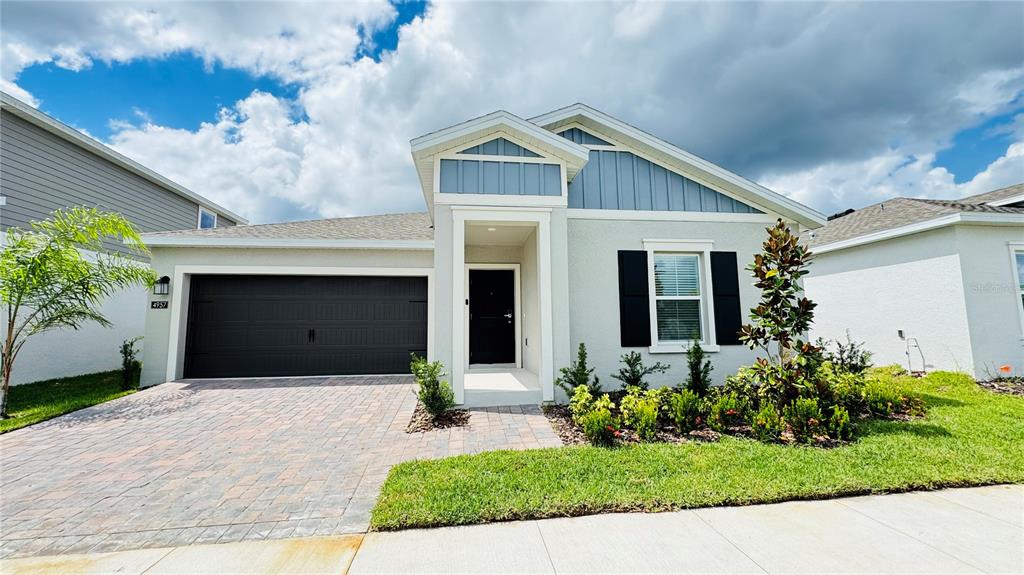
(618, 434)
(730, 412)
(610, 428)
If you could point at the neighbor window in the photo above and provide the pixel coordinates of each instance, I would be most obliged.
(677, 297)
(207, 219)
(1020, 276)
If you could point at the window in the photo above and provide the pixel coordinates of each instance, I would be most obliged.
(207, 219)
(1020, 276)
(677, 297)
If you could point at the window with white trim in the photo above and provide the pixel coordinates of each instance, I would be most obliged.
(207, 219)
(678, 298)
(1020, 276)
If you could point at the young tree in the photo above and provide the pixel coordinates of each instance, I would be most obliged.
(782, 317)
(47, 282)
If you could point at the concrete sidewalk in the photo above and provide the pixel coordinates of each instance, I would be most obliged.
(978, 530)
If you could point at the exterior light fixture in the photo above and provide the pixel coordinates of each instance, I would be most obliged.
(162, 286)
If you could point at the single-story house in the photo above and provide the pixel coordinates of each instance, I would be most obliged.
(570, 227)
(928, 284)
(46, 165)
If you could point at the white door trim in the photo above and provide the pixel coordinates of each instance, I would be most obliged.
(180, 285)
(517, 307)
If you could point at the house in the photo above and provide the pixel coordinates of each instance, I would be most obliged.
(539, 234)
(46, 165)
(928, 284)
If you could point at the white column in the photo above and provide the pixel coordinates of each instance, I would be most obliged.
(458, 366)
(547, 370)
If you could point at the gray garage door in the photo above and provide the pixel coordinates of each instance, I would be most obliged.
(263, 326)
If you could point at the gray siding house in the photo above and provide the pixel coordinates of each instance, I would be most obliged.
(46, 165)
(539, 234)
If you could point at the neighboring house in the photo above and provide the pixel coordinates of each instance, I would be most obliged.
(540, 234)
(46, 165)
(928, 284)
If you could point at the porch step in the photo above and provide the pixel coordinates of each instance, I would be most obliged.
(499, 397)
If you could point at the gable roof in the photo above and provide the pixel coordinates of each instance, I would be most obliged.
(1008, 195)
(499, 123)
(393, 231)
(904, 216)
(26, 112)
(681, 160)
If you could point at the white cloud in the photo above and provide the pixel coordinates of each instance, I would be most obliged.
(837, 104)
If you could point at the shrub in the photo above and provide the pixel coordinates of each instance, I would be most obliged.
(580, 402)
(884, 397)
(599, 426)
(578, 374)
(766, 424)
(729, 410)
(839, 424)
(850, 356)
(639, 410)
(685, 410)
(131, 367)
(634, 371)
(699, 378)
(841, 388)
(435, 395)
(804, 418)
(887, 370)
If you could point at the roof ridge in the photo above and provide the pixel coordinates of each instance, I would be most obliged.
(311, 220)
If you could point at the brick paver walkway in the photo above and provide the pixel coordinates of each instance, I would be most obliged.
(228, 460)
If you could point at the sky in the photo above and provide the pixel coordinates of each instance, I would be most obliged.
(286, 110)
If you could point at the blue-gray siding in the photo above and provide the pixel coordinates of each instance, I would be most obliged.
(41, 172)
(614, 180)
(500, 147)
(505, 178)
(581, 137)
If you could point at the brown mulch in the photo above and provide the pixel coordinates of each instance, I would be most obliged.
(422, 421)
(1008, 386)
(570, 433)
(561, 422)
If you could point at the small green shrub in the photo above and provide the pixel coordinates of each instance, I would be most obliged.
(885, 397)
(131, 367)
(766, 424)
(578, 374)
(436, 396)
(639, 410)
(850, 357)
(841, 387)
(634, 371)
(699, 368)
(599, 426)
(580, 402)
(804, 418)
(839, 424)
(729, 410)
(685, 410)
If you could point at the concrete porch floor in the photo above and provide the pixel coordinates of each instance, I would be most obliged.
(495, 386)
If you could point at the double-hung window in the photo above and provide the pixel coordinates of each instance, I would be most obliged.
(681, 311)
(1020, 276)
(207, 219)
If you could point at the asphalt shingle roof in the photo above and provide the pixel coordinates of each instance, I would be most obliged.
(410, 226)
(899, 212)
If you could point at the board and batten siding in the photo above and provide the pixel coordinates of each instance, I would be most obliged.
(41, 172)
(500, 177)
(619, 180)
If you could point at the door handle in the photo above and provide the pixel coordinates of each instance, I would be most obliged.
(508, 315)
(311, 336)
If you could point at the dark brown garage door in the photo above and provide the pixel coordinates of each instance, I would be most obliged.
(256, 326)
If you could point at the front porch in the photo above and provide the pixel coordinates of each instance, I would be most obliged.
(487, 386)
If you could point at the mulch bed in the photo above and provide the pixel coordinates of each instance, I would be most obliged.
(571, 434)
(422, 421)
(1008, 386)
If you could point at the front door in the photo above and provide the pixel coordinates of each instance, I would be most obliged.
(492, 316)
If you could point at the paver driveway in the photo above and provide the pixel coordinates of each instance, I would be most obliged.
(225, 460)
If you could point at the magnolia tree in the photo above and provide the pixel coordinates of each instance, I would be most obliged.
(782, 317)
(57, 274)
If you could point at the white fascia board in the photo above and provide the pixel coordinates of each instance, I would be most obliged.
(493, 120)
(667, 216)
(58, 128)
(205, 242)
(801, 213)
(984, 219)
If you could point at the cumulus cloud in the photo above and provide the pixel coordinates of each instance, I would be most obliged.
(834, 104)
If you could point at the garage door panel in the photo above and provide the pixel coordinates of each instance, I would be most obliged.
(255, 326)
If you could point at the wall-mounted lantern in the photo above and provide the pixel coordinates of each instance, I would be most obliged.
(162, 286)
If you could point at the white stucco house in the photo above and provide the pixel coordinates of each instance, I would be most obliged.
(569, 227)
(928, 284)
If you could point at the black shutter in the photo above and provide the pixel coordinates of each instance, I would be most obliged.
(725, 285)
(634, 300)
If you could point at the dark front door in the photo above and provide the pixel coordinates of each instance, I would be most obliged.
(492, 316)
(263, 326)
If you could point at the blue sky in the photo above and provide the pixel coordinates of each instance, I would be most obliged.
(323, 98)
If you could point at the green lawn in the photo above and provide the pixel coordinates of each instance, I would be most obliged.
(969, 437)
(34, 402)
